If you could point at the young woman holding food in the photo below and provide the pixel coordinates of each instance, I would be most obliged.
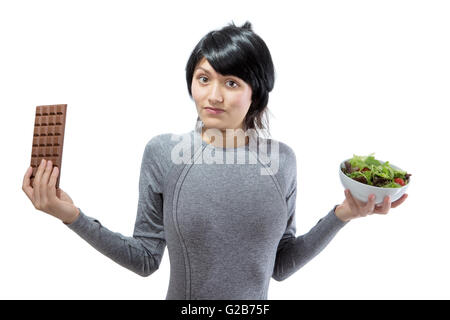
(229, 228)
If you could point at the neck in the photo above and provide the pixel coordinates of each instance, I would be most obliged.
(229, 138)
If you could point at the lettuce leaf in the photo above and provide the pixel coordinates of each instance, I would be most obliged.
(375, 173)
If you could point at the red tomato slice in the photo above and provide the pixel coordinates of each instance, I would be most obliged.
(399, 181)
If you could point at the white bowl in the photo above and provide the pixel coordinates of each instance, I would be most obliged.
(361, 191)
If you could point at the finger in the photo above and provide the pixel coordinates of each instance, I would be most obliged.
(360, 204)
(398, 202)
(52, 183)
(39, 172)
(26, 187)
(353, 205)
(44, 182)
(386, 206)
(370, 206)
(36, 183)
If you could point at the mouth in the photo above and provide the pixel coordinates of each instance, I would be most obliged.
(214, 110)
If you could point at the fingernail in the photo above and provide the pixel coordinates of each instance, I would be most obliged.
(42, 161)
(49, 164)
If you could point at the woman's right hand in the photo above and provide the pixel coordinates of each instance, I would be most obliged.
(44, 195)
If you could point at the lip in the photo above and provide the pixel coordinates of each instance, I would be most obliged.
(214, 110)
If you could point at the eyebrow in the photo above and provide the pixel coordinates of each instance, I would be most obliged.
(203, 70)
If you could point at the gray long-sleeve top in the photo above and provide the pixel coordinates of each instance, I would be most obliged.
(229, 225)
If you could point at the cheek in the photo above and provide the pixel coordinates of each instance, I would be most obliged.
(196, 95)
(199, 94)
(194, 90)
(243, 101)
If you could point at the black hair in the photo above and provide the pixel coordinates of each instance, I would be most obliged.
(239, 51)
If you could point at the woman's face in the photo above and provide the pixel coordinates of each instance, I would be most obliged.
(229, 93)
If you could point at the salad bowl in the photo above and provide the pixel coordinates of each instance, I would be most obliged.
(366, 175)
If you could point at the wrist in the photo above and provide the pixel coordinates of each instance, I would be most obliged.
(341, 213)
(72, 217)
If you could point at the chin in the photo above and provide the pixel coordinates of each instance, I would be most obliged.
(213, 123)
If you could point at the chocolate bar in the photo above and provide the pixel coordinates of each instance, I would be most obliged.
(48, 137)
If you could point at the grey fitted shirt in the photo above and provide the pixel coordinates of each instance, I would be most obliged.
(226, 215)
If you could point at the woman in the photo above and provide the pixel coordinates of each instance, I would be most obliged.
(229, 227)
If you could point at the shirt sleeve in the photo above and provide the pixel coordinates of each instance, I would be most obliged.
(141, 253)
(294, 252)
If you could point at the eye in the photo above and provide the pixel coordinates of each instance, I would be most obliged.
(201, 78)
(236, 85)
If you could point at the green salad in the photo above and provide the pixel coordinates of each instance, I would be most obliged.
(368, 170)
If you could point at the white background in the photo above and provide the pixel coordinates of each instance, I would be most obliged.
(352, 77)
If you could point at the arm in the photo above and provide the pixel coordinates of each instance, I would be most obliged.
(141, 253)
(294, 252)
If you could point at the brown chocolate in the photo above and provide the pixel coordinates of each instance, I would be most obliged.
(48, 137)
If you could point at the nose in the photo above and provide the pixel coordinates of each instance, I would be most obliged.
(215, 95)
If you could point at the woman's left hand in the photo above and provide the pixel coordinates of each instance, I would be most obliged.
(353, 208)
